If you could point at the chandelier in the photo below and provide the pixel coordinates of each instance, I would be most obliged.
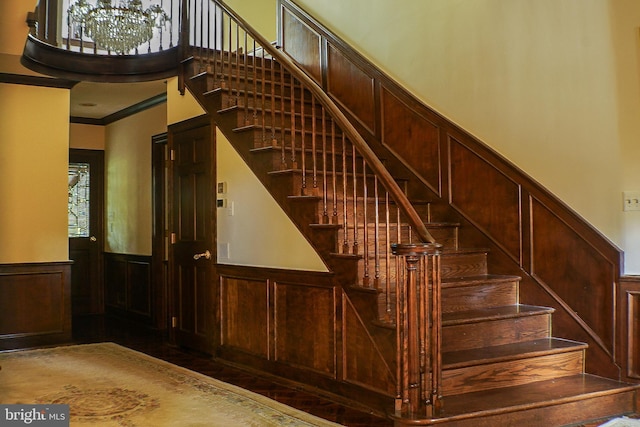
(120, 28)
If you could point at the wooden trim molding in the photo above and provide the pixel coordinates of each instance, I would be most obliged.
(50, 60)
(629, 326)
(21, 79)
(124, 113)
(35, 304)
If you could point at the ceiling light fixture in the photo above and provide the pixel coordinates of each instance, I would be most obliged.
(118, 29)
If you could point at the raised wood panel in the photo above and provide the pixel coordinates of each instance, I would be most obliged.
(139, 281)
(629, 326)
(302, 43)
(573, 270)
(511, 373)
(128, 286)
(305, 326)
(487, 197)
(35, 304)
(115, 280)
(352, 88)
(412, 137)
(244, 320)
(633, 334)
(372, 371)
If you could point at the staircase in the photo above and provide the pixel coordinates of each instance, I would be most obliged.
(500, 364)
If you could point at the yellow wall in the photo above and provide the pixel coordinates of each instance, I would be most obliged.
(260, 14)
(87, 137)
(33, 162)
(13, 28)
(128, 198)
(551, 85)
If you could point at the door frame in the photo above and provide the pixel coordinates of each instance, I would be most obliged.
(172, 302)
(160, 231)
(96, 159)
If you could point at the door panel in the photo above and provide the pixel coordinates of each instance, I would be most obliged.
(193, 219)
(86, 170)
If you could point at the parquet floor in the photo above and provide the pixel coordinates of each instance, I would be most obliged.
(101, 328)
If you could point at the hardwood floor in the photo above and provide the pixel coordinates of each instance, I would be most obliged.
(90, 329)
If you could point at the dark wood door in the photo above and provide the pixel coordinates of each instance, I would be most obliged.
(193, 232)
(86, 189)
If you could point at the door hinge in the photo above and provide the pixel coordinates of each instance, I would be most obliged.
(174, 321)
(172, 154)
(173, 238)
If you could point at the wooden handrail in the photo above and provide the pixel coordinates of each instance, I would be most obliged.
(370, 157)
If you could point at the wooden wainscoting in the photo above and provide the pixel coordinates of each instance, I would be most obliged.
(629, 325)
(301, 326)
(564, 262)
(128, 287)
(279, 315)
(35, 304)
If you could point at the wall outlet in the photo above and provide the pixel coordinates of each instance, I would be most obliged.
(223, 250)
(631, 201)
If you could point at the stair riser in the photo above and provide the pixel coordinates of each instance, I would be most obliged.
(562, 413)
(483, 295)
(376, 267)
(511, 373)
(463, 265)
(318, 183)
(278, 120)
(225, 66)
(288, 160)
(231, 98)
(495, 332)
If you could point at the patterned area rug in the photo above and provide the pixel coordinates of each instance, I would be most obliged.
(109, 385)
(622, 422)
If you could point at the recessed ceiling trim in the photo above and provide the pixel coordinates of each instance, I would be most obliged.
(126, 112)
(21, 79)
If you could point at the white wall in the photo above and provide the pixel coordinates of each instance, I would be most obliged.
(258, 233)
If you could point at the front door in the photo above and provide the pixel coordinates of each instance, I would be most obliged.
(192, 253)
(86, 183)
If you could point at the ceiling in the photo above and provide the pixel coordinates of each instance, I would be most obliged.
(98, 100)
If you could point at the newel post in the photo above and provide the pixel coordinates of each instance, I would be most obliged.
(418, 330)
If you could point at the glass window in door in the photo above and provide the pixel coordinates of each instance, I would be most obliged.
(79, 198)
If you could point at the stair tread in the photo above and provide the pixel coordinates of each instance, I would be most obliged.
(532, 395)
(520, 350)
(454, 282)
(493, 313)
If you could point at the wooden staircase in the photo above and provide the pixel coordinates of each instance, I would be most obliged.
(501, 364)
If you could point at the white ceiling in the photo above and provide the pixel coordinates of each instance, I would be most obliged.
(110, 98)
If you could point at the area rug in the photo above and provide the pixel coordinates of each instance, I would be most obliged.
(622, 422)
(109, 385)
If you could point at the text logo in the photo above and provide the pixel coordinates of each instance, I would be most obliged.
(34, 415)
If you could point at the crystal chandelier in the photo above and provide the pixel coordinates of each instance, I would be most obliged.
(120, 28)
